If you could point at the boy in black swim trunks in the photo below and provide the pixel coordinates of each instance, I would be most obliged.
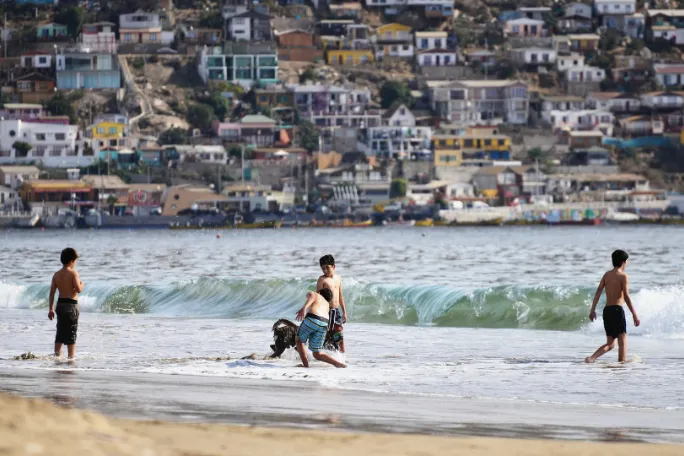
(616, 283)
(68, 283)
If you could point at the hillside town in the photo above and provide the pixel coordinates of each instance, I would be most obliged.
(387, 111)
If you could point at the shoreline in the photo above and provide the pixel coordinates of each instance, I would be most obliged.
(300, 404)
(35, 426)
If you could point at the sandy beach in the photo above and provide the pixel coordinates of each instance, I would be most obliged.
(35, 426)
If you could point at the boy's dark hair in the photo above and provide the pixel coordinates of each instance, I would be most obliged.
(327, 260)
(619, 257)
(68, 255)
(326, 293)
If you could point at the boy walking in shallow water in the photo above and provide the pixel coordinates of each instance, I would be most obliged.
(616, 284)
(333, 282)
(68, 283)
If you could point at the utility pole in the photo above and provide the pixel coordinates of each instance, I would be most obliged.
(242, 162)
(4, 36)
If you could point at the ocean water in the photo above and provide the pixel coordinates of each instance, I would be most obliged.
(488, 313)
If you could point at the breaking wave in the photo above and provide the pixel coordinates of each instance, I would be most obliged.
(541, 307)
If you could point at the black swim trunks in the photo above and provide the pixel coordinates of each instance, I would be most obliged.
(336, 324)
(614, 321)
(67, 321)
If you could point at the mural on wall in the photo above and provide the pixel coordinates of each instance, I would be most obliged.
(567, 215)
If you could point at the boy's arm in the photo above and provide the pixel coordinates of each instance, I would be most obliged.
(51, 299)
(319, 284)
(78, 285)
(310, 299)
(628, 301)
(344, 309)
(597, 296)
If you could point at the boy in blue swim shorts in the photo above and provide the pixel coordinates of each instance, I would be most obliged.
(314, 327)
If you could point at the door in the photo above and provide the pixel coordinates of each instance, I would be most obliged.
(140, 35)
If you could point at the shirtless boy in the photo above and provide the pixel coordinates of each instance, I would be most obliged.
(616, 283)
(68, 283)
(314, 327)
(333, 282)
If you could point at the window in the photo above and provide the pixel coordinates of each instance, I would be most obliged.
(113, 143)
(405, 47)
(438, 44)
(128, 37)
(153, 37)
(112, 130)
(402, 111)
(12, 133)
(545, 57)
(40, 136)
(100, 130)
(423, 44)
(239, 21)
(42, 60)
(60, 136)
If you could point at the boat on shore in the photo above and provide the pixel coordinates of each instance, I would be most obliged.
(425, 223)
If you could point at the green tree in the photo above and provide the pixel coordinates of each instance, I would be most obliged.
(398, 188)
(307, 75)
(201, 116)
(463, 33)
(59, 105)
(307, 136)
(22, 148)
(392, 91)
(73, 17)
(220, 105)
(176, 136)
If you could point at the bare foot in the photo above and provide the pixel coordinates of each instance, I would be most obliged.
(343, 366)
(589, 359)
(301, 365)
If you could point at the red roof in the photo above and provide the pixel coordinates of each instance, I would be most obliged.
(675, 69)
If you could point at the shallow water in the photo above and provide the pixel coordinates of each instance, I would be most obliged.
(471, 313)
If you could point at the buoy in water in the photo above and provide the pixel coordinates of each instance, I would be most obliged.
(218, 236)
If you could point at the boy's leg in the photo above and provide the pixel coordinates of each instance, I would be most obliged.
(58, 349)
(328, 359)
(71, 349)
(622, 347)
(602, 350)
(341, 345)
(302, 352)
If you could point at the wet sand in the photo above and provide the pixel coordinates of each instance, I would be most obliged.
(38, 427)
(298, 404)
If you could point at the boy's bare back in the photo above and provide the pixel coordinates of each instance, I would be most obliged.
(333, 283)
(68, 283)
(615, 284)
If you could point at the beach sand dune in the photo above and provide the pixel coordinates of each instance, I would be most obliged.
(38, 427)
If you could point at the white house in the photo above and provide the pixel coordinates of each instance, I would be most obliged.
(582, 120)
(36, 59)
(614, 12)
(669, 75)
(663, 100)
(560, 104)
(430, 40)
(566, 62)
(667, 25)
(55, 145)
(578, 9)
(533, 56)
(397, 137)
(585, 74)
(437, 57)
(534, 12)
(202, 154)
(524, 27)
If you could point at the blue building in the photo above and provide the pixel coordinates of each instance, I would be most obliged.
(82, 70)
(36, 2)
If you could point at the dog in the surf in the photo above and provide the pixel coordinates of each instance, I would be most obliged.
(284, 333)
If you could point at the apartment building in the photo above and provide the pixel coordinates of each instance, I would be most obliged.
(481, 102)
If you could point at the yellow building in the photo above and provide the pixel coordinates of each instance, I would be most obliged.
(394, 40)
(392, 31)
(349, 56)
(470, 148)
(108, 131)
